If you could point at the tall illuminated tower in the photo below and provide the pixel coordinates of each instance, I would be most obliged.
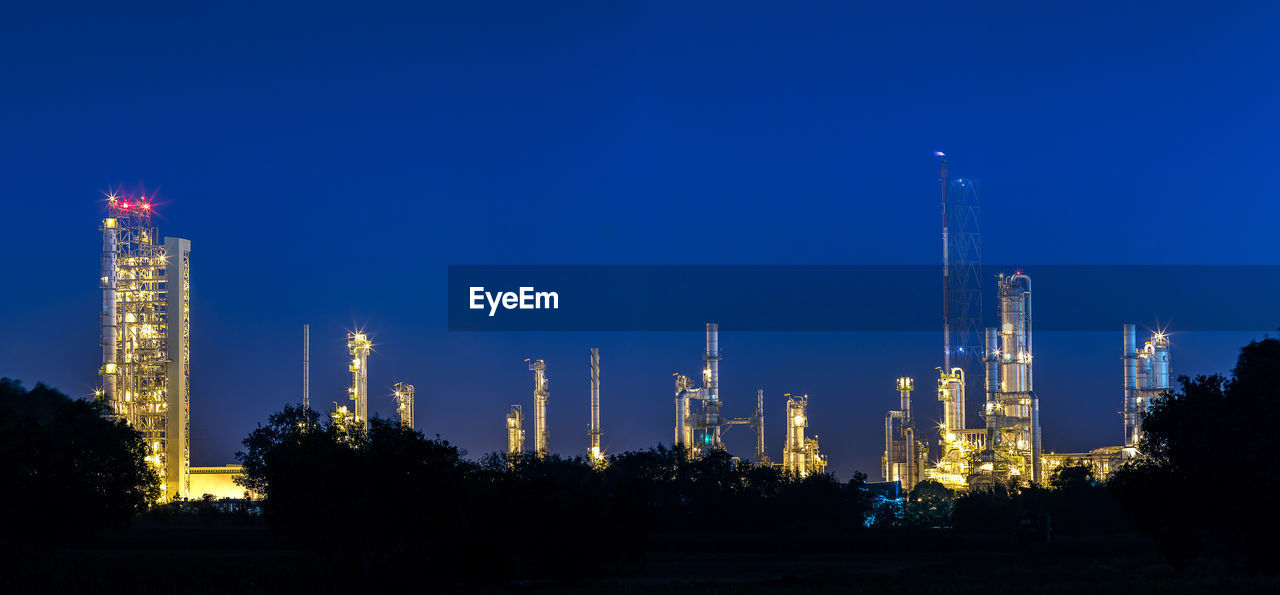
(358, 346)
(146, 336)
(541, 435)
(404, 404)
(515, 430)
(1012, 410)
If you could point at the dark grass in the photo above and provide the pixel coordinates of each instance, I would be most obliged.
(244, 557)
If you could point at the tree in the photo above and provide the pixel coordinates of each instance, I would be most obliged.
(67, 466)
(928, 505)
(1204, 485)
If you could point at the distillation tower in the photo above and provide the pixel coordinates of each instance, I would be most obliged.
(800, 455)
(958, 443)
(541, 435)
(1012, 410)
(404, 403)
(905, 457)
(1146, 376)
(700, 431)
(146, 334)
(594, 453)
(358, 346)
(515, 430)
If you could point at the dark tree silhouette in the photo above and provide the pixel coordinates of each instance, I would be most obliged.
(66, 467)
(928, 505)
(415, 511)
(1205, 485)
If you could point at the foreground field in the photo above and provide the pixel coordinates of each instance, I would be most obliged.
(246, 558)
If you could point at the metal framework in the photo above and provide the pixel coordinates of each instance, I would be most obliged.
(958, 443)
(1012, 410)
(904, 457)
(1146, 376)
(145, 338)
(800, 455)
(594, 453)
(700, 432)
(404, 403)
(961, 272)
(515, 430)
(358, 346)
(541, 435)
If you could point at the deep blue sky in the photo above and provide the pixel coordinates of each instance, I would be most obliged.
(328, 163)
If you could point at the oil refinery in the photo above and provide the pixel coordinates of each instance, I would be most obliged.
(145, 374)
(146, 336)
(1007, 448)
(146, 370)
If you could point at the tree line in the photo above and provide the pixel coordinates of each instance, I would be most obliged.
(400, 502)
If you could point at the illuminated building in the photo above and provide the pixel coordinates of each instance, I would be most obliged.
(800, 455)
(146, 336)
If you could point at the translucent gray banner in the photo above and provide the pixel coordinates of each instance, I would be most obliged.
(851, 298)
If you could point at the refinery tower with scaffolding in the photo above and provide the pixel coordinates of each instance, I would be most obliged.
(146, 336)
(700, 431)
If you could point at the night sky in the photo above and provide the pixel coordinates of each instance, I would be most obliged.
(328, 163)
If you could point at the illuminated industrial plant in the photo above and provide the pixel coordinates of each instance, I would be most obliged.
(146, 334)
(700, 431)
(515, 430)
(358, 346)
(404, 403)
(800, 455)
(1008, 449)
(145, 375)
(1146, 376)
(905, 456)
(1012, 411)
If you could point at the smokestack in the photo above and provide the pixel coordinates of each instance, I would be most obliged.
(306, 366)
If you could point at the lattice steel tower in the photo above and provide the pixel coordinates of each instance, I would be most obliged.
(961, 273)
(146, 332)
